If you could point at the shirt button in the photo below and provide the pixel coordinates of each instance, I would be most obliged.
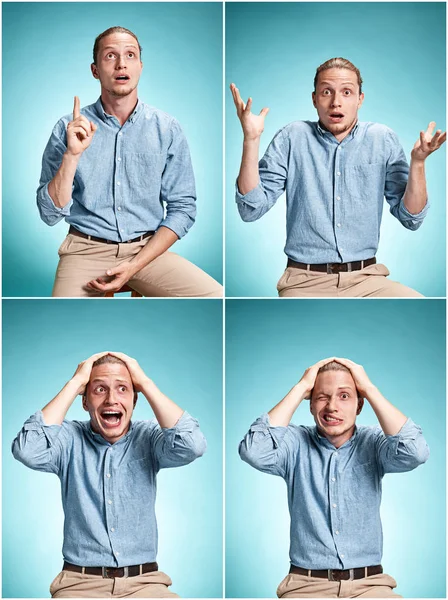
(338, 197)
(338, 173)
(108, 475)
(120, 133)
(334, 505)
(342, 555)
(339, 224)
(112, 528)
(109, 501)
(333, 479)
(119, 208)
(118, 183)
(337, 532)
(118, 158)
(118, 554)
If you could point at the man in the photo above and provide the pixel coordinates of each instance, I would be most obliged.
(336, 173)
(333, 473)
(109, 172)
(108, 469)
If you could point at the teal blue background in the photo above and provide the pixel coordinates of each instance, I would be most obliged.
(179, 345)
(47, 52)
(401, 344)
(272, 52)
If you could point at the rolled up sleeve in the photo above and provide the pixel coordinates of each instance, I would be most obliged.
(178, 187)
(269, 449)
(179, 445)
(39, 446)
(273, 172)
(397, 173)
(404, 451)
(51, 161)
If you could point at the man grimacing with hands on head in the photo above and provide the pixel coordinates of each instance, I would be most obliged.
(107, 467)
(110, 172)
(336, 173)
(333, 473)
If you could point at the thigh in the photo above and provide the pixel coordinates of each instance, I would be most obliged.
(298, 283)
(149, 585)
(171, 275)
(76, 585)
(373, 282)
(80, 261)
(301, 586)
(375, 586)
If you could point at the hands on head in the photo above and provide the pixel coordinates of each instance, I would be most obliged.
(428, 143)
(80, 131)
(253, 125)
(362, 381)
(84, 370)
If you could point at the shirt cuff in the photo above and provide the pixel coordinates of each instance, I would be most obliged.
(36, 423)
(49, 206)
(179, 224)
(414, 218)
(409, 431)
(186, 424)
(262, 424)
(252, 198)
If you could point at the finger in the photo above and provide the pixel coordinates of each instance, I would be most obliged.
(435, 140)
(431, 128)
(79, 127)
(114, 271)
(238, 100)
(423, 142)
(82, 120)
(93, 127)
(248, 105)
(264, 112)
(442, 139)
(76, 108)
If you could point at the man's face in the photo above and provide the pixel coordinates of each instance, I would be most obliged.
(337, 100)
(109, 400)
(118, 65)
(335, 405)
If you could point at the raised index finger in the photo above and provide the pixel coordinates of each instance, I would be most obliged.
(76, 108)
(431, 127)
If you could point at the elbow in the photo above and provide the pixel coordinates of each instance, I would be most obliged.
(411, 224)
(422, 454)
(249, 214)
(247, 455)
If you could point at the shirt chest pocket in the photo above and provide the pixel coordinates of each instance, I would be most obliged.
(135, 477)
(365, 182)
(144, 170)
(361, 481)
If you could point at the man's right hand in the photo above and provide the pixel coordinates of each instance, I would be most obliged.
(80, 131)
(308, 379)
(253, 125)
(83, 371)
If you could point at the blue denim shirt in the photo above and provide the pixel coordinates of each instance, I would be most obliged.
(334, 494)
(334, 190)
(125, 176)
(108, 490)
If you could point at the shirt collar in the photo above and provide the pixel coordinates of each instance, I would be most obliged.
(323, 132)
(322, 440)
(106, 117)
(100, 440)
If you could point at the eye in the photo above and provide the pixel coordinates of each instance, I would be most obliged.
(131, 54)
(123, 388)
(345, 396)
(100, 389)
(347, 92)
(326, 92)
(110, 55)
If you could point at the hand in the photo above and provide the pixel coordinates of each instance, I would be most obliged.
(121, 275)
(362, 382)
(137, 374)
(308, 379)
(427, 143)
(80, 131)
(253, 125)
(83, 371)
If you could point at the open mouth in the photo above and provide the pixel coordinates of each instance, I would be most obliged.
(122, 78)
(336, 117)
(332, 420)
(111, 418)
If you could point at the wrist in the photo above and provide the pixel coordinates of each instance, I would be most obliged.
(77, 384)
(251, 140)
(417, 162)
(70, 157)
(302, 390)
(146, 386)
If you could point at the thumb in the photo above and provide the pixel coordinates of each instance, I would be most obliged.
(113, 271)
(264, 112)
(93, 126)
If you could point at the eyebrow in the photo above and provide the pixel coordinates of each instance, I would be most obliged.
(115, 47)
(97, 380)
(344, 83)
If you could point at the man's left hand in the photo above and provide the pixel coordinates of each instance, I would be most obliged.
(121, 275)
(362, 381)
(428, 143)
(138, 376)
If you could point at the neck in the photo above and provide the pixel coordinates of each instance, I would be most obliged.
(120, 107)
(343, 134)
(339, 440)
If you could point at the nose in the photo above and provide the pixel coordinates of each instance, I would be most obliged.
(121, 63)
(332, 404)
(336, 100)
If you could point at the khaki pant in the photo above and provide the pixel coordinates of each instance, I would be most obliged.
(368, 282)
(76, 585)
(301, 586)
(82, 260)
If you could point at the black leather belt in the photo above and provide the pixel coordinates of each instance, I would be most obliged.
(112, 572)
(333, 268)
(337, 574)
(74, 231)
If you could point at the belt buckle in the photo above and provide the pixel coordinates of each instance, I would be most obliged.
(333, 268)
(105, 572)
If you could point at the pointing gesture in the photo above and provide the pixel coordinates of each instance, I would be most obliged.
(80, 131)
(253, 125)
(428, 143)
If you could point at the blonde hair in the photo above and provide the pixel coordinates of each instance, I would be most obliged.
(338, 63)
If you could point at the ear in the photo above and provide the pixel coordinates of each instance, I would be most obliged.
(313, 97)
(84, 402)
(135, 398)
(361, 100)
(360, 405)
(94, 70)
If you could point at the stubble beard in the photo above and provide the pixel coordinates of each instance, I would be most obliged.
(122, 92)
(338, 128)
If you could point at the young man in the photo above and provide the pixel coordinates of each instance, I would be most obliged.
(336, 173)
(108, 467)
(109, 172)
(333, 473)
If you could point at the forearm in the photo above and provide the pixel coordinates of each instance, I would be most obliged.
(60, 187)
(54, 412)
(163, 239)
(416, 196)
(248, 177)
(281, 414)
(389, 417)
(165, 410)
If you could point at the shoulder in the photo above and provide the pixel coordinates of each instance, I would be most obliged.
(302, 432)
(368, 433)
(298, 128)
(376, 130)
(155, 115)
